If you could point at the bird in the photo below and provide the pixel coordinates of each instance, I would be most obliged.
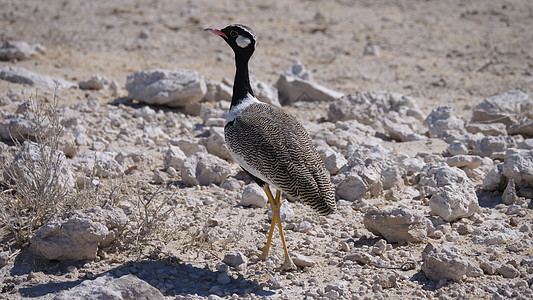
(271, 145)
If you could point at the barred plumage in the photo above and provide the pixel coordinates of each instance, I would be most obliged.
(277, 147)
(270, 144)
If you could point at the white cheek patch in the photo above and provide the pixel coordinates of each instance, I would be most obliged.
(242, 41)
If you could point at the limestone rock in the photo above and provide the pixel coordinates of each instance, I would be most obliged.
(397, 224)
(454, 201)
(519, 167)
(77, 235)
(461, 161)
(235, 259)
(265, 92)
(102, 164)
(370, 107)
(285, 212)
(254, 196)
(216, 91)
(23, 76)
(444, 125)
(509, 195)
(446, 262)
(35, 163)
(95, 82)
(174, 157)
(302, 261)
(435, 176)
(503, 108)
(294, 88)
(216, 144)
(402, 128)
(203, 169)
(334, 161)
(487, 129)
(494, 180)
(166, 87)
(523, 128)
(19, 50)
(457, 148)
(493, 146)
(127, 287)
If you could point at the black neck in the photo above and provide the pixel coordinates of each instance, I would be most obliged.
(241, 85)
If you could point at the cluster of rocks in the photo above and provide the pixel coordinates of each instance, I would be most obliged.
(448, 195)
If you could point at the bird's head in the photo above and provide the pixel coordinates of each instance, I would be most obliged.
(240, 38)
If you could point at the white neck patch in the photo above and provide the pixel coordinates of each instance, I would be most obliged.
(242, 41)
(237, 110)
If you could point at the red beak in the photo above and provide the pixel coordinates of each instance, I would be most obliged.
(217, 32)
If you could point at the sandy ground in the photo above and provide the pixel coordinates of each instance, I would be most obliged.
(440, 52)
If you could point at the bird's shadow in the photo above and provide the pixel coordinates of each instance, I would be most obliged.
(170, 276)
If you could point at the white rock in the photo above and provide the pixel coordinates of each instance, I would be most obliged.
(265, 92)
(188, 147)
(231, 184)
(4, 258)
(23, 76)
(102, 164)
(216, 143)
(254, 196)
(371, 107)
(492, 146)
(235, 259)
(34, 166)
(302, 261)
(454, 201)
(127, 287)
(166, 87)
(95, 82)
(412, 165)
(442, 124)
(503, 108)
(203, 169)
(334, 161)
(223, 278)
(398, 224)
(285, 212)
(371, 49)
(353, 186)
(18, 50)
(402, 128)
(509, 195)
(77, 235)
(519, 167)
(457, 148)
(174, 157)
(461, 161)
(446, 262)
(217, 91)
(433, 177)
(293, 88)
(524, 128)
(20, 127)
(130, 156)
(494, 181)
(487, 129)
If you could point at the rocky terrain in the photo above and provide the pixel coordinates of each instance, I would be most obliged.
(116, 182)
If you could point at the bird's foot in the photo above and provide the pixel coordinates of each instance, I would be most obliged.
(263, 256)
(288, 265)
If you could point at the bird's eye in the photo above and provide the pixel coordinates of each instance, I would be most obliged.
(233, 33)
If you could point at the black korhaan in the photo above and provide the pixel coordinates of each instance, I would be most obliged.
(271, 145)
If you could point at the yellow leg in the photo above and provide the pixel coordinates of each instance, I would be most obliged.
(264, 254)
(288, 264)
(276, 204)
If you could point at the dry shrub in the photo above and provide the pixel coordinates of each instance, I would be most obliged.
(37, 183)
